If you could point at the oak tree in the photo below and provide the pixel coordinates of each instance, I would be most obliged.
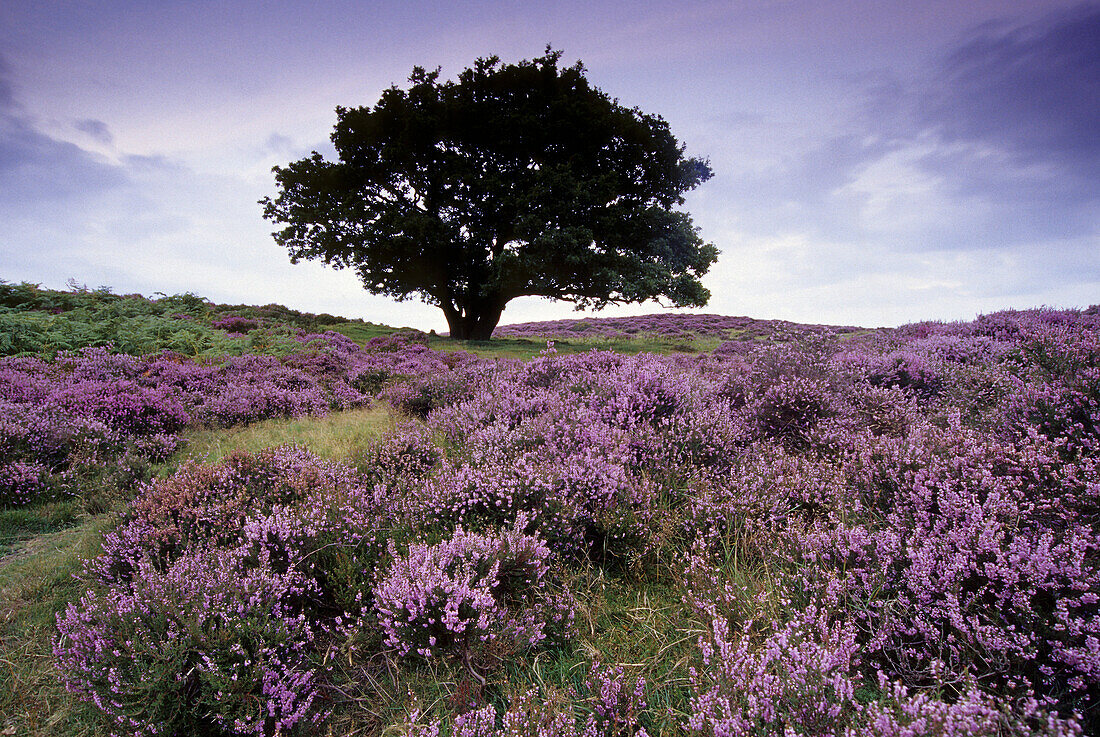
(515, 180)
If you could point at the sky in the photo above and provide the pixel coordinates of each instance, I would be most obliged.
(875, 162)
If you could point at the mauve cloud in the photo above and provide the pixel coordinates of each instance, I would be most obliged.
(1031, 90)
(7, 99)
(97, 129)
(38, 170)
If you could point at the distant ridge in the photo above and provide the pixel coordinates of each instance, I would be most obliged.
(672, 324)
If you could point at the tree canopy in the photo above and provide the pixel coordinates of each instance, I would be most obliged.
(515, 180)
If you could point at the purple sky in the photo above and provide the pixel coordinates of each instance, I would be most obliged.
(875, 162)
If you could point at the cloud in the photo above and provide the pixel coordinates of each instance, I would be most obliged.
(36, 169)
(969, 185)
(994, 146)
(277, 143)
(1031, 90)
(97, 129)
(149, 223)
(7, 99)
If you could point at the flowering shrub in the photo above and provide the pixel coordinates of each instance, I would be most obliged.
(209, 604)
(894, 533)
(206, 643)
(45, 452)
(403, 458)
(419, 397)
(614, 711)
(789, 410)
(972, 566)
(797, 682)
(905, 370)
(902, 712)
(469, 590)
(93, 412)
(21, 482)
(234, 324)
(667, 324)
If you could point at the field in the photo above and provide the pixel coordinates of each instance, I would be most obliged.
(235, 520)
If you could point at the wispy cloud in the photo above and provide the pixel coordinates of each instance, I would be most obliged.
(97, 129)
(970, 185)
(37, 170)
(1031, 90)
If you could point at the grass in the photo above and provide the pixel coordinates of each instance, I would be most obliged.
(337, 436)
(525, 349)
(36, 582)
(21, 523)
(360, 332)
(642, 626)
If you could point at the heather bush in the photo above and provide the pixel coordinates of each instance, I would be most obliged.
(371, 380)
(234, 324)
(902, 712)
(46, 453)
(667, 324)
(213, 604)
(206, 645)
(259, 387)
(798, 681)
(807, 677)
(879, 410)
(402, 458)
(1065, 411)
(420, 396)
(22, 482)
(469, 591)
(962, 348)
(91, 413)
(906, 370)
(123, 405)
(204, 505)
(965, 558)
(570, 461)
(790, 409)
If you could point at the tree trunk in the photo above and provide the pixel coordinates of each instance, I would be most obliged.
(473, 324)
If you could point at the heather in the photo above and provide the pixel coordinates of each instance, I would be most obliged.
(94, 418)
(886, 533)
(673, 325)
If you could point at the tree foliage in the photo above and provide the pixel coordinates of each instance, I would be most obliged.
(515, 180)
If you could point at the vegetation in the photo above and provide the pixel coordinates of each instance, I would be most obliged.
(41, 321)
(518, 179)
(868, 533)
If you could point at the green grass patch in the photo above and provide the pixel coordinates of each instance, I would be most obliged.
(20, 523)
(338, 436)
(525, 349)
(360, 332)
(36, 583)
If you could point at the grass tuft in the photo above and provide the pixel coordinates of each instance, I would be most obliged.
(338, 436)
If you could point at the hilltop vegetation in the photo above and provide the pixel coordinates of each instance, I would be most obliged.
(779, 529)
(43, 321)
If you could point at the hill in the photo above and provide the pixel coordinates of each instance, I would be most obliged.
(825, 532)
